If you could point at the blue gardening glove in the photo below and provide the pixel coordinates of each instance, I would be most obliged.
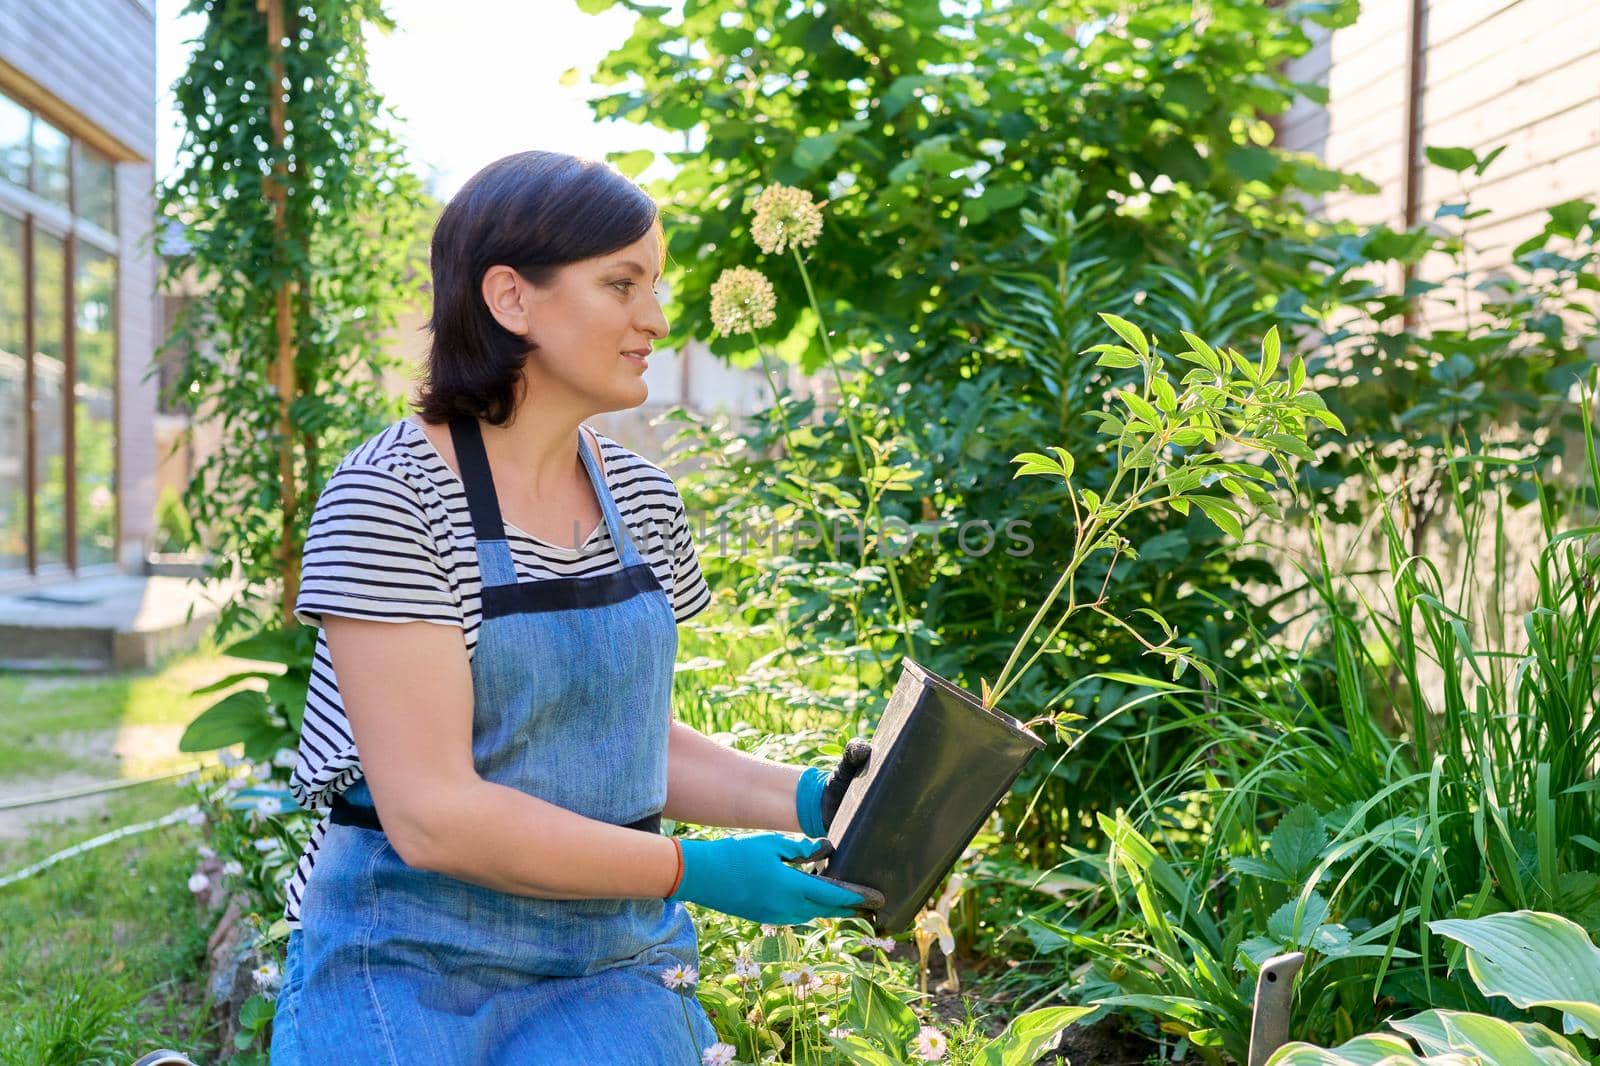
(746, 876)
(819, 793)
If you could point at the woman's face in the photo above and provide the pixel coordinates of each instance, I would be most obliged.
(585, 322)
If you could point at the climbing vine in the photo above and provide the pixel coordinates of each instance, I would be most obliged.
(298, 227)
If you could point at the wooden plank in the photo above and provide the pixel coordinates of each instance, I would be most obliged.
(1448, 19)
(1505, 58)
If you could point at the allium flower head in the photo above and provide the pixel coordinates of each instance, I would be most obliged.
(742, 300)
(679, 976)
(930, 1044)
(785, 217)
(718, 1054)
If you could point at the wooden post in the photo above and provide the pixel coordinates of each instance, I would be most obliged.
(283, 376)
(1416, 69)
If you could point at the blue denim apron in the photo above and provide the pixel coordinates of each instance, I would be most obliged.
(571, 686)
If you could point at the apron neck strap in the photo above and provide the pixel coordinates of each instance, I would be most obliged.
(467, 437)
(484, 504)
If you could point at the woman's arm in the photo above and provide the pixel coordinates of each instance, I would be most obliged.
(407, 691)
(709, 784)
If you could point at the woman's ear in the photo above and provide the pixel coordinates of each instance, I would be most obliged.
(504, 293)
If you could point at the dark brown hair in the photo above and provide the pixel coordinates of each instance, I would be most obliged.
(534, 212)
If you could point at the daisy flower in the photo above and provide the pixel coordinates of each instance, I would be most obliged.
(880, 943)
(742, 301)
(745, 968)
(718, 1054)
(803, 976)
(266, 976)
(785, 217)
(930, 1044)
(679, 976)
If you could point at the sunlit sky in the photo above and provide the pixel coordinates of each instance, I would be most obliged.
(473, 80)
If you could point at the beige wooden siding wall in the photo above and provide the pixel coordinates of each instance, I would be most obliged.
(1523, 73)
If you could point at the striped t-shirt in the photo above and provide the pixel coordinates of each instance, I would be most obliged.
(391, 540)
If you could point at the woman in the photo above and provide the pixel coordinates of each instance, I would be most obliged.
(490, 719)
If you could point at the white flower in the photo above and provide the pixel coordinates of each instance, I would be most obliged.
(679, 976)
(266, 976)
(198, 882)
(718, 1054)
(742, 301)
(196, 817)
(263, 844)
(234, 784)
(205, 852)
(880, 943)
(269, 805)
(839, 1032)
(233, 868)
(803, 976)
(785, 217)
(745, 968)
(228, 759)
(930, 1044)
(769, 930)
(285, 758)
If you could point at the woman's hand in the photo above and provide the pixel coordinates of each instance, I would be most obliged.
(746, 876)
(818, 794)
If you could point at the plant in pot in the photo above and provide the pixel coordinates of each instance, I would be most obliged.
(943, 757)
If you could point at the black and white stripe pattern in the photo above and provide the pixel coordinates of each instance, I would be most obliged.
(391, 540)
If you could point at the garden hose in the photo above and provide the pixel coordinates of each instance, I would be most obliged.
(48, 861)
(90, 790)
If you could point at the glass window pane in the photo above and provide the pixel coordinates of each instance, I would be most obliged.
(13, 415)
(96, 188)
(94, 471)
(49, 328)
(49, 162)
(14, 120)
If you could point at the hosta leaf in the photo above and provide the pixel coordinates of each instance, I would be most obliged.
(1025, 1038)
(1534, 960)
(1375, 1049)
(1439, 1032)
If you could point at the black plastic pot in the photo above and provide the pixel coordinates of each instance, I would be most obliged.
(941, 762)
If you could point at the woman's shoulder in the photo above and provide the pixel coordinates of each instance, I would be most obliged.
(399, 452)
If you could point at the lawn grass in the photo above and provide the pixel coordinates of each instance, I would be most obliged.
(102, 955)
